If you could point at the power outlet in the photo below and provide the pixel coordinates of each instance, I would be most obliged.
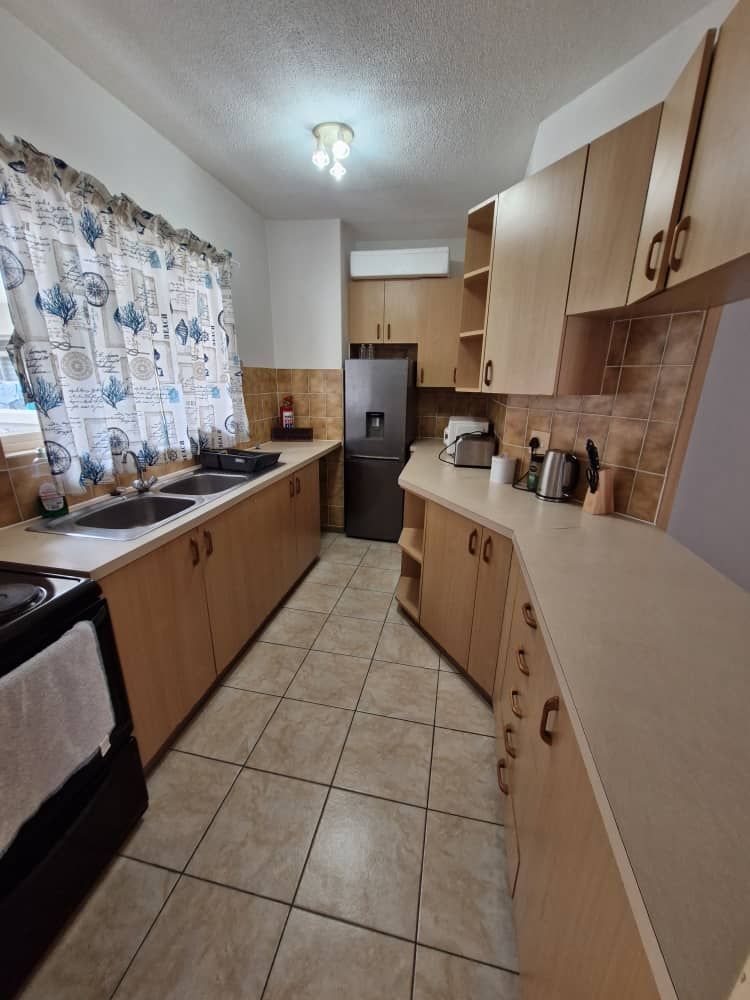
(543, 438)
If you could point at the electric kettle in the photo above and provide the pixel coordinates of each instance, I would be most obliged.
(559, 476)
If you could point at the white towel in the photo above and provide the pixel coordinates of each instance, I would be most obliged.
(55, 715)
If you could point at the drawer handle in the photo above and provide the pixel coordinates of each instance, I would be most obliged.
(675, 258)
(509, 748)
(487, 549)
(488, 373)
(378, 331)
(656, 241)
(521, 661)
(208, 539)
(473, 538)
(195, 551)
(551, 705)
(501, 783)
(528, 615)
(297, 485)
(515, 704)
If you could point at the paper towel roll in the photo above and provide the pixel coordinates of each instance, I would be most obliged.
(503, 469)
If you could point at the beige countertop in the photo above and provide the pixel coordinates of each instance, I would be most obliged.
(652, 649)
(97, 557)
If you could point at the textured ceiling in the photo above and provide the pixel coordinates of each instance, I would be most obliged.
(444, 97)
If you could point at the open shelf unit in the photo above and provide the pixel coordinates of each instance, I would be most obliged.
(411, 543)
(480, 230)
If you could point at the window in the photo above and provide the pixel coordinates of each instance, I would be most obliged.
(19, 425)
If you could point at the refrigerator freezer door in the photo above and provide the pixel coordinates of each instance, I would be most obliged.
(374, 500)
(376, 399)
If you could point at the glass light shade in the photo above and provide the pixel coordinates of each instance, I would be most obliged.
(340, 149)
(337, 170)
(320, 158)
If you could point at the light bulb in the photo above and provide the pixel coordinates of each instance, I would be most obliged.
(337, 170)
(340, 149)
(320, 158)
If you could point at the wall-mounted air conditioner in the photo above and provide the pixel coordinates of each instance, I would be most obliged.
(421, 262)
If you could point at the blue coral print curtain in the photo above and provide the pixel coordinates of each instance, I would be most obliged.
(124, 329)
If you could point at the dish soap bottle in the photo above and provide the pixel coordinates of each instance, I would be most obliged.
(52, 503)
(532, 476)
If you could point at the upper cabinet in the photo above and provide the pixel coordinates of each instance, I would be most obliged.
(674, 148)
(405, 304)
(714, 225)
(614, 192)
(438, 333)
(366, 311)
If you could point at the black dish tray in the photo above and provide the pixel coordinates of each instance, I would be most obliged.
(236, 460)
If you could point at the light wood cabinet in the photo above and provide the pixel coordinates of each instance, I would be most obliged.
(614, 193)
(438, 332)
(492, 584)
(366, 306)
(161, 624)
(535, 232)
(674, 148)
(307, 516)
(405, 304)
(714, 225)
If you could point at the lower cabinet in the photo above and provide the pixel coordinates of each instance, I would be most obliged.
(492, 583)
(183, 612)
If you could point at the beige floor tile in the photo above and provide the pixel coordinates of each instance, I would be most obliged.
(406, 644)
(330, 679)
(333, 573)
(370, 604)
(384, 555)
(445, 977)
(312, 596)
(400, 692)
(374, 578)
(184, 792)
(347, 550)
(463, 776)
(228, 725)
(94, 950)
(302, 740)
(267, 668)
(352, 636)
(365, 862)
(445, 664)
(465, 906)
(209, 941)
(293, 628)
(396, 615)
(321, 959)
(260, 836)
(387, 757)
(327, 538)
(460, 706)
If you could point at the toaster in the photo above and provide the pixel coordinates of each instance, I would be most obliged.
(461, 425)
(476, 450)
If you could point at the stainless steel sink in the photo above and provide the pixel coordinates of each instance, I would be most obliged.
(203, 484)
(121, 518)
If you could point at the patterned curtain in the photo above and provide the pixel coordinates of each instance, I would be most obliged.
(124, 328)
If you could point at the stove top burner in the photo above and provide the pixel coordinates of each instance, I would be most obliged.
(17, 598)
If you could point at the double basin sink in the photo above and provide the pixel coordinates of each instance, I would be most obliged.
(127, 517)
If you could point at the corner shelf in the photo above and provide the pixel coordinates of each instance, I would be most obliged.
(407, 595)
(411, 541)
(478, 272)
(471, 333)
(475, 295)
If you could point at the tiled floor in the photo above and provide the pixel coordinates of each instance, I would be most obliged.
(328, 826)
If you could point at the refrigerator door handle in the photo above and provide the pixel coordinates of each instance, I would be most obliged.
(378, 458)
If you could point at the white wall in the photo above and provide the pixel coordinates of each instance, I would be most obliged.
(305, 263)
(456, 249)
(49, 101)
(634, 87)
(710, 512)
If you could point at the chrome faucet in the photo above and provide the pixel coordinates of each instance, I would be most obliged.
(139, 484)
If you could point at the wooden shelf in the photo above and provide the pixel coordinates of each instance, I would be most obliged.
(407, 595)
(479, 272)
(411, 541)
(468, 334)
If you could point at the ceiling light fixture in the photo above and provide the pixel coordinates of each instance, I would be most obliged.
(332, 142)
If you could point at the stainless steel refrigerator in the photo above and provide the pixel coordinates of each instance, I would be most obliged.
(380, 423)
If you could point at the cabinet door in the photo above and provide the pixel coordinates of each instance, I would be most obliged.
(449, 579)
(307, 515)
(286, 536)
(366, 302)
(160, 618)
(534, 238)
(714, 226)
(492, 586)
(674, 147)
(405, 305)
(438, 335)
(614, 193)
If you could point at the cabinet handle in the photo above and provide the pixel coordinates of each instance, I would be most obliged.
(208, 539)
(551, 705)
(378, 329)
(297, 485)
(488, 373)
(487, 549)
(675, 258)
(515, 705)
(656, 241)
(509, 748)
(291, 488)
(389, 331)
(521, 661)
(454, 376)
(528, 615)
(473, 537)
(501, 783)
(421, 374)
(196, 552)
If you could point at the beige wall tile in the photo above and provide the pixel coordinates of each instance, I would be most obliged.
(624, 442)
(646, 340)
(594, 427)
(300, 381)
(684, 334)
(670, 392)
(426, 427)
(623, 486)
(317, 406)
(514, 432)
(617, 342)
(657, 447)
(635, 392)
(564, 428)
(644, 500)
(538, 420)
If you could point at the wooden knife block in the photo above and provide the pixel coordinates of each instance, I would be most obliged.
(603, 501)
